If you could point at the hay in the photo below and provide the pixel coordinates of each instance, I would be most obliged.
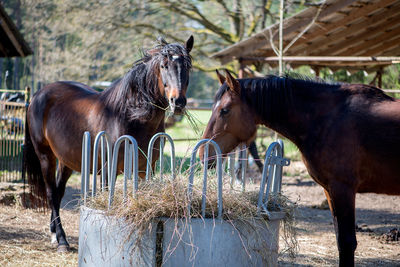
(169, 199)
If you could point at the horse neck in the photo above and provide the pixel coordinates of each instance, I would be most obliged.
(297, 106)
(136, 96)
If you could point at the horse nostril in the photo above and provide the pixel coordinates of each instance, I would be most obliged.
(172, 100)
(181, 101)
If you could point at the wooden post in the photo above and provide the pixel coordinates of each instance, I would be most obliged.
(316, 70)
(379, 73)
(241, 73)
(27, 94)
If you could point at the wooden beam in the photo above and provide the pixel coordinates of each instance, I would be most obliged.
(11, 36)
(244, 47)
(351, 41)
(334, 7)
(349, 68)
(392, 51)
(354, 14)
(391, 90)
(358, 49)
(384, 45)
(325, 58)
(374, 22)
(345, 64)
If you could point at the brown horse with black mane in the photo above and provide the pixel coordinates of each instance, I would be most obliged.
(348, 135)
(61, 112)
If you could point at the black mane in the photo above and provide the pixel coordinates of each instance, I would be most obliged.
(137, 94)
(268, 95)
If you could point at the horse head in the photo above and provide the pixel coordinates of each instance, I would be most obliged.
(232, 120)
(174, 64)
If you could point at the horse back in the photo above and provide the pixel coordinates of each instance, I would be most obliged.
(58, 115)
(357, 142)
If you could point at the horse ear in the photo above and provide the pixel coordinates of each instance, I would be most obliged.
(189, 44)
(220, 78)
(232, 82)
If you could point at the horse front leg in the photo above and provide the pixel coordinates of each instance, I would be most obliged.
(341, 199)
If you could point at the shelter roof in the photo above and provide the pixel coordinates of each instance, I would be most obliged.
(11, 41)
(365, 33)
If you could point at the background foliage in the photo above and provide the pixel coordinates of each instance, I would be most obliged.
(98, 40)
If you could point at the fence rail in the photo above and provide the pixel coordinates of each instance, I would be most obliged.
(12, 124)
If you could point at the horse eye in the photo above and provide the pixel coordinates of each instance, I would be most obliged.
(224, 111)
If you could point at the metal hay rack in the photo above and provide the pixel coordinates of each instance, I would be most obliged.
(270, 183)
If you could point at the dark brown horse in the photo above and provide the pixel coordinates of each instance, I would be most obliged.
(61, 112)
(348, 135)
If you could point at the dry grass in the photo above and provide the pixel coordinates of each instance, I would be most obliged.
(169, 199)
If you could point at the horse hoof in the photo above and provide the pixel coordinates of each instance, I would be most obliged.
(62, 248)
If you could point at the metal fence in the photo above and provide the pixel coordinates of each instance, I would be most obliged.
(12, 123)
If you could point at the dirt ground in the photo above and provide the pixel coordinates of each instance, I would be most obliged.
(376, 215)
(25, 240)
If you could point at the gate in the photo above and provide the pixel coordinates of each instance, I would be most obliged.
(13, 105)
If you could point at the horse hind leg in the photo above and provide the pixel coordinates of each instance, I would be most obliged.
(341, 199)
(48, 166)
(58, 190)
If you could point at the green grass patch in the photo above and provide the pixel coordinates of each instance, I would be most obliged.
(187, 132)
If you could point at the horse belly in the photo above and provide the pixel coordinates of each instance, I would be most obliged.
(380, 177)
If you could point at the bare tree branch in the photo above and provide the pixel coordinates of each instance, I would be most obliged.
(305, 29)
(194, 13)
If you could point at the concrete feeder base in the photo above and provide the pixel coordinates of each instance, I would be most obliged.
(106, 241)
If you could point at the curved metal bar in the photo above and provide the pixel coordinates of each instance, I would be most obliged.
(203, 199)
(85, 165)
(274, 162)
(149, 170)
(278, 185)
(231, 167)
(162, 142)
(266, 169)
(243, 164)
(207, 142)
(100, 137)
(133, 147)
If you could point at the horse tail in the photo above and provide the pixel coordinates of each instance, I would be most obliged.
(32, 170)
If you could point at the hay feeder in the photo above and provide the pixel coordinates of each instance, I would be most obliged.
(108, 241)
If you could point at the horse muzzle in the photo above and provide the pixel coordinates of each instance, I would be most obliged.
(177, 105)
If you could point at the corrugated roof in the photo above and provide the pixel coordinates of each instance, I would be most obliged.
(12, 44)
(343, 28)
